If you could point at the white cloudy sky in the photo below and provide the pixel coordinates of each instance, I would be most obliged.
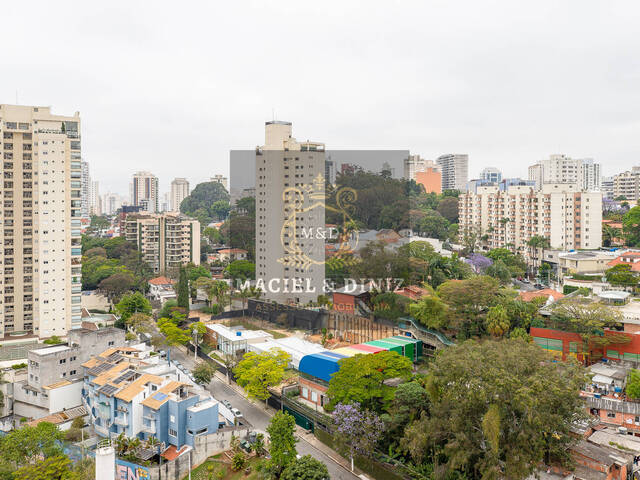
(171, 87)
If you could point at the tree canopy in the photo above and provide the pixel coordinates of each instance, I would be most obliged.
(256, 372)
(361, 379)
(497, 409)
(202, 203)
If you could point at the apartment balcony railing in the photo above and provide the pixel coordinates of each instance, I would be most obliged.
(151, 428)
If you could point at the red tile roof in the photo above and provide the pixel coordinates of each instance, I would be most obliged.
(161, 281)
(635, 265)
(413, 292)
(545, 292)
(172, 452)
(232, 250)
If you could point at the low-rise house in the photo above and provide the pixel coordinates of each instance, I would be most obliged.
(598, 462)
(547, 293)
(131, 393)
(161, 289)
(584, 262)
(228, 255)
(234, 341)
(54, 372)
(96, 321)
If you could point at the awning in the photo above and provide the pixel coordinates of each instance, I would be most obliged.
(602, 379)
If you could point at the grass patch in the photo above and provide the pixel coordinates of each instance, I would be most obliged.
(203, 471)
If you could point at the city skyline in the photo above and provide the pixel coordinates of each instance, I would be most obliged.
(525, 83)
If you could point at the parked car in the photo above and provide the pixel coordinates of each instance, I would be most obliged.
(525, 280)
(227, 404)
(236, 413)
(162, 354)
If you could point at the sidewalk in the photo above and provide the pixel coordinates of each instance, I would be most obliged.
(311, 439)
(300, 432)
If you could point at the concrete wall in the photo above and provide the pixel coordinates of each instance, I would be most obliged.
(205, 446)
(65, 397)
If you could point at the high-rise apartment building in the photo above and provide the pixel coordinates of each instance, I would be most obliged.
(606, 187)
(290, 216)
(40, 260)
(491, 174)
(568, 217)
(144, 191)
(222, 180)
(455, 171)
(591, 175)
(330, 170)
(166, 241)
(86, 186)
(111, 202)
(95, 202)
(179, 191)
(584, 173)
(627, 184)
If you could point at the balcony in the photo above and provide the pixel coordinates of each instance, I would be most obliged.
(151, 428)
(121, 420)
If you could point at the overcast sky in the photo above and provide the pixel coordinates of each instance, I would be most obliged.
(171, 87)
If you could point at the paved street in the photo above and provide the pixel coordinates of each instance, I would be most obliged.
(259, 418)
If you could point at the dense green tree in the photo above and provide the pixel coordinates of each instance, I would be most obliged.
(500, 271)
(282, 443)
(305, 468)
(204, 372)
(469, 300)
(631, 227)
(433, 225)
(212, 235)
(202, 202)
(240, 271)
(182, 289)
(361, 379)
(448, 208)
(633, 384)
(621, 274)
(28, 444)
(51, 468)
(431, 312)
(497, 321)
(491, 431)
(239, 231)
(195, 272)
(117, 284)
(257, 372)
(516, 264)
(132, 303)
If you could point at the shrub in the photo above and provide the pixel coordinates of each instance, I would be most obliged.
(238, 461)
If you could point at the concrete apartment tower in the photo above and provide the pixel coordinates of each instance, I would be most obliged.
(584, 173)
(40, 262)
(491, 174)
(455, 171)
(86, 181)
(95, 202)
(179, 191)
(144, 190)
(222, 180)
(290, 210)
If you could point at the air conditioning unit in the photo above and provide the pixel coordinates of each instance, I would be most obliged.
(622, 430)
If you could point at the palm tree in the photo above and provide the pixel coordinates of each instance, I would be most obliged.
(245, 294)
(535, 243)
(609, 234)
(503, 222)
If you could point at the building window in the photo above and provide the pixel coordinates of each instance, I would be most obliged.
(173, 433)
(611, 414)
(172, 419)
(111, 343)
(72, 372)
